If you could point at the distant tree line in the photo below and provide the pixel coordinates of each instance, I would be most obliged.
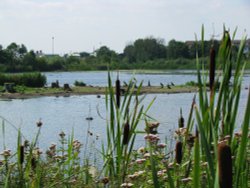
(148, 53)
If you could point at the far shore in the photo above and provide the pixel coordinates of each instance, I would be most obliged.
(60, 92)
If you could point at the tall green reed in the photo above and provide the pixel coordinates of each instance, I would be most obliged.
(122, 120)
(216, 116)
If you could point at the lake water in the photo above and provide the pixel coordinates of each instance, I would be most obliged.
(69, 114)
(99, 78)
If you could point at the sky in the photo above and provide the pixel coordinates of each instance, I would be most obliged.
(85, 25)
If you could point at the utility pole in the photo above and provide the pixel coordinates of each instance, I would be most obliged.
(53, 45)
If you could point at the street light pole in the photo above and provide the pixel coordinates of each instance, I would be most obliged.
(53, 45)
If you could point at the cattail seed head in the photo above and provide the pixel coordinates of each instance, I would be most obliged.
(212, 68)
(118, 92)
(21, 159)
(181, 120)
(178, 152)
(225, 166)
(126, 131)
(196, 132)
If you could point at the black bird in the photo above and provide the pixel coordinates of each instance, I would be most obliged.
(89, 118)
(162, 85)
(172, 83)
(149, 84)
(168, 86)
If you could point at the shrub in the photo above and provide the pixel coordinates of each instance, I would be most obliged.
(80, 83)
(25, 79)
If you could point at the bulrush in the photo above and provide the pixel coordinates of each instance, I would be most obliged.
(181, 120)
(21, 159)
(212, 69)
(225, 166)
(126, 131)
(196, 132)
(178, 152)
(118, 91)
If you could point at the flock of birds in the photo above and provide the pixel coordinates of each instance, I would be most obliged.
(125, 84)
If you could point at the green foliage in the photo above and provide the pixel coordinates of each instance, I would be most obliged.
(147, 53)
(191, 83)
(121, 126)
(25, 79)
(79, 83)
(219, 125)
(145, 49)
(177, 49)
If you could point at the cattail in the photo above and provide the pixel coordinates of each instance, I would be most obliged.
(196, 132)
(126, 131)
(212, 68)
(118, 91)
(178, 152)
(21, 159)
(225, 166)
(181, 120)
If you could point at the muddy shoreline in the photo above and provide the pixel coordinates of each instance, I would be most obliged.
(92, 91)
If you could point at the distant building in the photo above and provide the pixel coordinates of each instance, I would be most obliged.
(39, 53)
(247, 48)
(51, 55)
(75, 54)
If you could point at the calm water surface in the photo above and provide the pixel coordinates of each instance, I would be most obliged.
(99, 78)
(69, 114)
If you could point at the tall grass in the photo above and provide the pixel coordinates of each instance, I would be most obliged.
(122, 120)
(216, 116)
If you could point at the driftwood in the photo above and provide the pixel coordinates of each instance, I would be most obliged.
(67, 87)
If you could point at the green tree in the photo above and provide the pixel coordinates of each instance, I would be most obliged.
(129, 54)
(177, 49)
(144, 50)
(105, 55)
(84, 54)
(29, 61)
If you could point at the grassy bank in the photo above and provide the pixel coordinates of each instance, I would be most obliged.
(27, 92)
